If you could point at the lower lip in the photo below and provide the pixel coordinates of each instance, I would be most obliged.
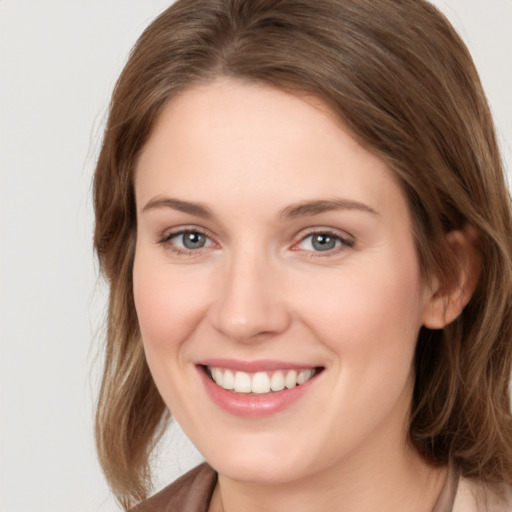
(253, 406)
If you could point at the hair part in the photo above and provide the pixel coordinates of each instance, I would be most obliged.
(399, 77)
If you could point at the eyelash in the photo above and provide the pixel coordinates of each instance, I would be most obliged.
(345, 243)
(165, 241)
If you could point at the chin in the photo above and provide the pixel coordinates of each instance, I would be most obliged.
(264, 471)
(257, 463)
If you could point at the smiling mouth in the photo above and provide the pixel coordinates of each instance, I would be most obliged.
(261, 383)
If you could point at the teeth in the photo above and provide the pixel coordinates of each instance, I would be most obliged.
(260, 382)
(304, 375)
(277, 381)
(228, 379)
(290, 381)
(218, 376)
(242, 382)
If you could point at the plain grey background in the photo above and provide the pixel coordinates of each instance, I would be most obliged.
(58, 64)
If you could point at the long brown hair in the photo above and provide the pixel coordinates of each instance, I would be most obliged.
(397, 74)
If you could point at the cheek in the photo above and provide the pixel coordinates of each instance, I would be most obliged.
(370, 323)
(168, 304)
(169, 309)
(368, 313)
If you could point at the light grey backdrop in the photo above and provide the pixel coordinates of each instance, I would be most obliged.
(58, 64)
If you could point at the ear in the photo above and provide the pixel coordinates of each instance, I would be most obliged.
(446, 304)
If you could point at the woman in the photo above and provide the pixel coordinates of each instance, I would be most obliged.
(302, 216)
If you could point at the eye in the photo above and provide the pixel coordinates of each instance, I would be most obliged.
(324, 241)
(187, 240)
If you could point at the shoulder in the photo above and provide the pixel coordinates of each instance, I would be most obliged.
(474, 496)
(191, 492)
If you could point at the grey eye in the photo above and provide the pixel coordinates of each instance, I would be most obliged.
(193, 240)
(323, 242)
(188, 240)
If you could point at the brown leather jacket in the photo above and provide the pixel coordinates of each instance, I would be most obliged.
(190, 493)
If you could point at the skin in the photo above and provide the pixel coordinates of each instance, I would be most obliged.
(259, 289)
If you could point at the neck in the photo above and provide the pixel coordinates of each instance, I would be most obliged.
(385, 480)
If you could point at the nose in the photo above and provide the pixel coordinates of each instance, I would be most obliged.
(250, 305)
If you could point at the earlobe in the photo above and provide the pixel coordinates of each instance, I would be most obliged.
(445, 304)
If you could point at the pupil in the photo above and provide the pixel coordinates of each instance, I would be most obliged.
(323, 242)
(193, 240)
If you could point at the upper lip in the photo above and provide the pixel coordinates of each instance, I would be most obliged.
(254, 366)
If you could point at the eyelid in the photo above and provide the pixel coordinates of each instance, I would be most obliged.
(165, 240)
(347, 241)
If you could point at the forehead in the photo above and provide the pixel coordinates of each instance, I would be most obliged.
(255, 142)
(245, 116)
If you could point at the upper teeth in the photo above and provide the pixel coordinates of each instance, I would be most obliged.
(260, 382)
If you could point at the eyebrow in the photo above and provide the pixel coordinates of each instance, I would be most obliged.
(302, 209)
(177, 204)
(309, 208)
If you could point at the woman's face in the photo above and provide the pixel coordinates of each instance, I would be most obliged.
(275, 253)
